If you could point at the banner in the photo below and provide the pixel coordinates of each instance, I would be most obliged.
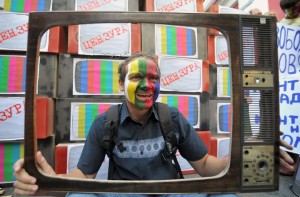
(177, 74)
(289, 83)
(102, 5)
(12, 118)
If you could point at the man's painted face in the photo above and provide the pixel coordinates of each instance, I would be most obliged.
(142, 83)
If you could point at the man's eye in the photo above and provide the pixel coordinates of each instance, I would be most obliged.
(154, 79)
(135, 78)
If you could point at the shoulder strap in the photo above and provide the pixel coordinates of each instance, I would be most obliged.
(109, 139)
(110, 127)
(170, 149)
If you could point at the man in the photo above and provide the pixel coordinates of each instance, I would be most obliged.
(140, 134)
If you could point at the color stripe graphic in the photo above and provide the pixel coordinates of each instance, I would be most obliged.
(12, 74)
(96, 77)
(83, 117)
(226, 82)
(223, 82)
(224, 118)
(27, 5)
(187, 105)
(179, 41)
(9, 154)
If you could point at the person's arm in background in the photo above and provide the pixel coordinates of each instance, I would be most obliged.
(288, 162)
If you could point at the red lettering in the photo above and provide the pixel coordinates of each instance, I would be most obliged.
(173, 6)
(191, 67)
(9, 111)
(22, 28)
(164, 81)
(118, 30)
(93, 42)
(11, 33)
(170, 79)
(17, 107)
(4, 35)
(97, 40)
(196, 66)
(222, 56)
(87, 45)
(3, 116)
(111, 34)
(124, 30)
(90, 5)
(106, 36)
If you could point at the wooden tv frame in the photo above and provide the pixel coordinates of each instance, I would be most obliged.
(228, 182)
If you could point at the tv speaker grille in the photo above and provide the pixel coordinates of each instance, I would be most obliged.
(257, 46)
(258, 116)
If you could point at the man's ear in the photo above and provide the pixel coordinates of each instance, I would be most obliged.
(121, 86)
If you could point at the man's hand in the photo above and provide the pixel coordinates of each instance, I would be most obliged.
(26, 184)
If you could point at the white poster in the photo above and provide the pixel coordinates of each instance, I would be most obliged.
(111, 39)
(289, 83)
(14, 32)
(175, 6)
(221, 50)
(177, 74)
(177, 41)
(11, 118)
(102, 5)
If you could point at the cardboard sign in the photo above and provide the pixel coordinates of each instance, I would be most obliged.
(82, 117)
(12, 74)
(223, 82)
(289, 83)
(224, 117)
(102, 5)
(111, 39)
(12, 111)
(14, 28)
(26, 5)
(176, 41)
(177, 74)
(188, 105)
(220, 146)
(175, 6)
(95, 77)
(9, 154)
(221, 50)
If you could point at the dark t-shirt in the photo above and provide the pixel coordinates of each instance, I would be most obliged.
(144, 143)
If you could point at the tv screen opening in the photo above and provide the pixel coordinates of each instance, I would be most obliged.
(232, 105)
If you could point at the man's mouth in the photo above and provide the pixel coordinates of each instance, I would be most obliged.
(144, 95)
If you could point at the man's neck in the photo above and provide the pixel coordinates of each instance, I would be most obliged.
(136, 113)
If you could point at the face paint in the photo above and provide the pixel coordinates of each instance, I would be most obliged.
(142, 83)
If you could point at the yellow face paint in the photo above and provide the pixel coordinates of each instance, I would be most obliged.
(142, 83)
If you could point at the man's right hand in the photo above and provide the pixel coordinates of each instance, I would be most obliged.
(26, 184)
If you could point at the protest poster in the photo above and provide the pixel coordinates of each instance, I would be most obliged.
(12, 118)
(289, 83)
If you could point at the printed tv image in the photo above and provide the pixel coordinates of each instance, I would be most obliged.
(231, 105)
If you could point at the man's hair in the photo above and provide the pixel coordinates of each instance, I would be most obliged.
(122, 70)
(286, 4)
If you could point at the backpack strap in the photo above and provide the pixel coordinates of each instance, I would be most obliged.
(109, 139)
(169, 152)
